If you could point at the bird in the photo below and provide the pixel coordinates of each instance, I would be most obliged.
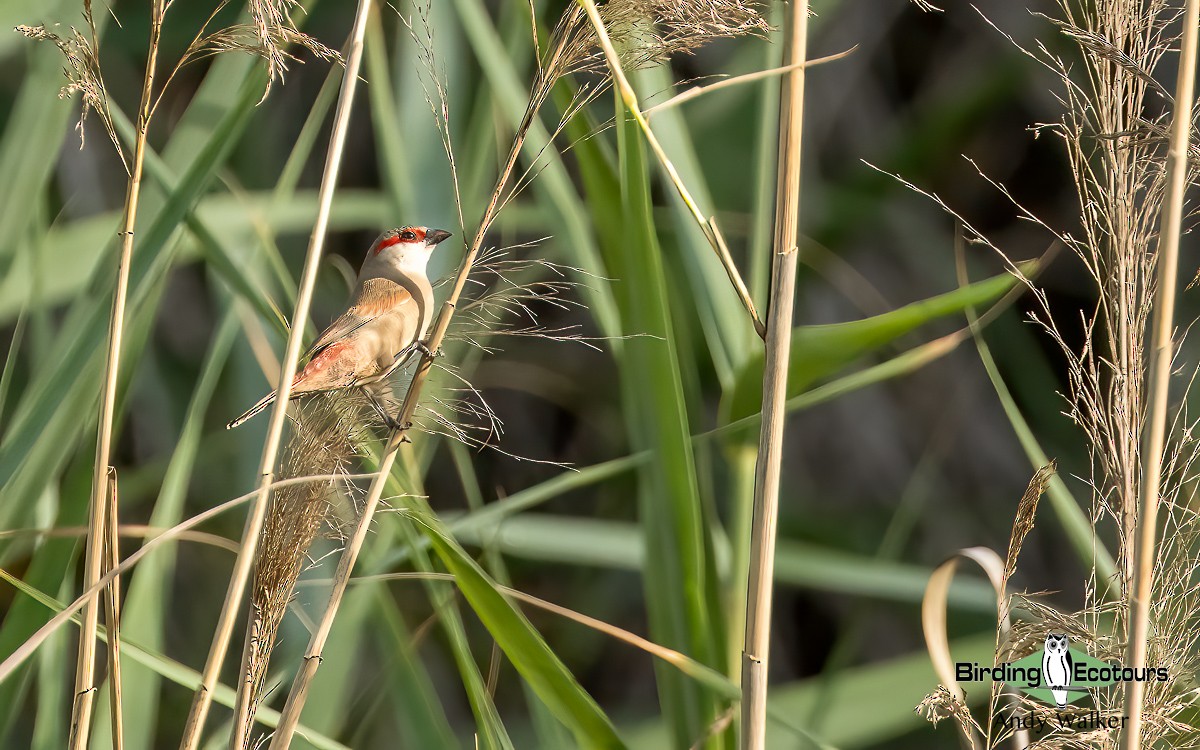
(1057, 667)
(385, 323)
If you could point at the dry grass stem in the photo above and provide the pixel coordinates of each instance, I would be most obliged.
(1154, 439)
(784, 258)
(679, 14)
(30, 645)
(112, 614)
(98, 514)
(758, 75)
(254, 522)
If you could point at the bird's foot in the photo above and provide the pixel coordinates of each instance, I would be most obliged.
(424, 349)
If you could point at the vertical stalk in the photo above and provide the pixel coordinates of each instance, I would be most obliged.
(778, 351)
(708, 226)
(1154, 437)
(254, 521)
(85, 668)
(112, 614)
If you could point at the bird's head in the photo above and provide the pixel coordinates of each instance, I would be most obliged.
(406, 246)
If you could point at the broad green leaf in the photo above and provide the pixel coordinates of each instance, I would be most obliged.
(524, 646)
(820, 351)
(619, 545)
(867, 706)
(680, 581)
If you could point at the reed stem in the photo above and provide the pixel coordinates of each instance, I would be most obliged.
(755, 654)
(98, 521)
(1161, 355)
(112, 614)
(254, 521)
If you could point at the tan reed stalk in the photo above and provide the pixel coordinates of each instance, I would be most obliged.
(85, 690)
(707, 225)
(1161, 355)
(112, 614)
(254, 522)
(778, 351)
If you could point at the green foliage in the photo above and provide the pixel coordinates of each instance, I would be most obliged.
(644, 528)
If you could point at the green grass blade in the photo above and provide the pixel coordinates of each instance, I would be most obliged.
(727, 328)
(618, 545)
(1075, 524)
(524, 646)
(421, 716)
(550, 732)
(869, 706)
(492, 733)
(824, 349)
(679, 583)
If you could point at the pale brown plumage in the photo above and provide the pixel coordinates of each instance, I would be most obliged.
(390, 311)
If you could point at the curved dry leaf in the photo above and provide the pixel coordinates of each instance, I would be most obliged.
(933, 623)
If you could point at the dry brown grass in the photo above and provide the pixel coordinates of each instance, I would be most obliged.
(1114, 130)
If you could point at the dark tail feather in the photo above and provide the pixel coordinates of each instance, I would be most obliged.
(266, 401)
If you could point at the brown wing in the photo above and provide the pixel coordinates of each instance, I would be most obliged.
(375, 297)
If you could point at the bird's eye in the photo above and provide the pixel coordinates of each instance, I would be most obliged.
(407, 236)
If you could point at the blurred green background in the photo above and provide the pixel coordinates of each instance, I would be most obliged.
(881, 482)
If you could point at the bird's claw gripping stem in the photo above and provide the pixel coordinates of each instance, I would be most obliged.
(424, 349)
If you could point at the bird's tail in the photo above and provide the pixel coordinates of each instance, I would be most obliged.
(266, 401)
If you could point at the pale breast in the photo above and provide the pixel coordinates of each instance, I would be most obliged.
(385, 336)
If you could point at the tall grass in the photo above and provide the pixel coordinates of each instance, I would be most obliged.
(776, 364)
(1125, 137)
(427, 632)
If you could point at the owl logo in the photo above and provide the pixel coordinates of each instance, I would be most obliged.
(1057, 667)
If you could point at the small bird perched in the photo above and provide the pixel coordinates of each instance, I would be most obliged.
(385, 323)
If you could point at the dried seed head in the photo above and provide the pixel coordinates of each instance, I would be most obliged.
(269, 34)
(1026, 511)
(82, 71)
(646, 32)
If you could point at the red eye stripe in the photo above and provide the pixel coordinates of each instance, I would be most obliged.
(387, 242)
(397, 237)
